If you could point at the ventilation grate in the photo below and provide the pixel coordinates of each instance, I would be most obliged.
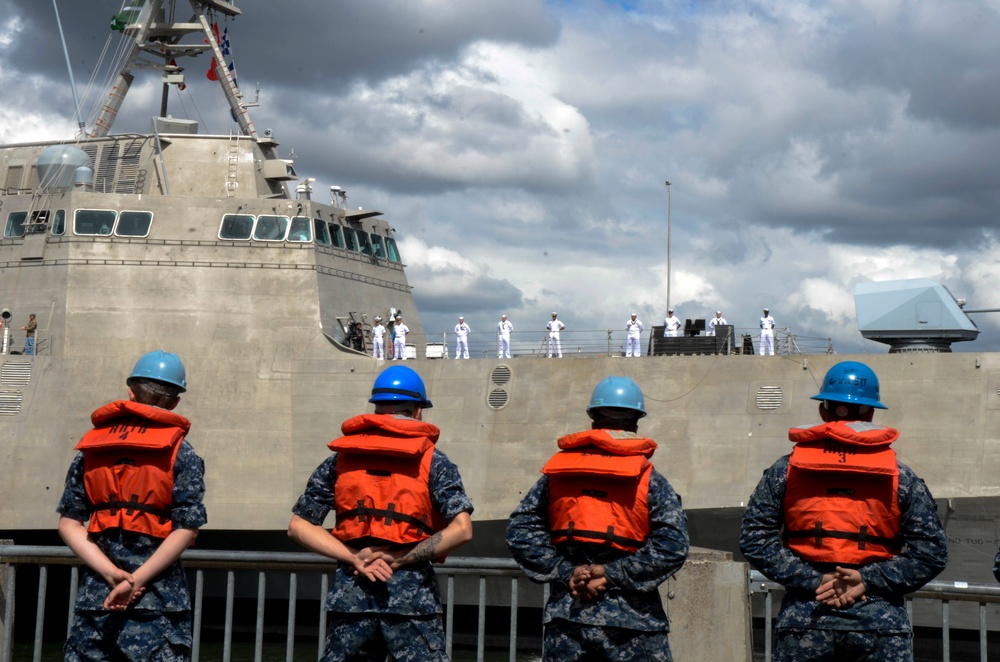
(15, 373)
(769, 397)
(10, 402)
(497, 398)
(500, 375)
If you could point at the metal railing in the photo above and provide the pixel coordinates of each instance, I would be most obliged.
(592, 342)
(275, 567)
(942, 592)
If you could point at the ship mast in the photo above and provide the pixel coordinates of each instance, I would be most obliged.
(159, 37)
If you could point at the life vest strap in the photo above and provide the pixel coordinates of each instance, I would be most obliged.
(132, 506)
(363, 511)
(609, 535)
(862, 537)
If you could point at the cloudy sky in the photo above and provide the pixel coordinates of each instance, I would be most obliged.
(520, 147)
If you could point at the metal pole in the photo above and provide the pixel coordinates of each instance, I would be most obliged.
(668, 245)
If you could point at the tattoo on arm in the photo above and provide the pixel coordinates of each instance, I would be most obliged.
(424, 550)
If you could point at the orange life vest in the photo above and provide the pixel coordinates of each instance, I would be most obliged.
(128, 467)
(598, 488)
(383, 472)
(841, 498)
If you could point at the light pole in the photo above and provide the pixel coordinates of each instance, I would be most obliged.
(668, 245)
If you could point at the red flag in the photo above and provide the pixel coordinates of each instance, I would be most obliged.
(210, 74)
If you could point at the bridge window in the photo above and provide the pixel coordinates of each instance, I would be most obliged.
(377, 246)
(270, 228)
(322, 232)
(391, 250)
(351, 239)
(301, 229)
(236, 226)
(94, 222)
(134, 224)
(59, 223)
(363, 243)
(337, 235)
(15, 224)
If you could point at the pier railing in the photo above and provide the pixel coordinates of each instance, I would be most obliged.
(271, 605)
(930, 608)
(297, 581)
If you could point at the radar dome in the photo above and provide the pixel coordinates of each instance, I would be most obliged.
(58, 164)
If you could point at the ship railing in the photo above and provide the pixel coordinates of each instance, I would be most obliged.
(303, 578)
(935, 607)
(604, 342)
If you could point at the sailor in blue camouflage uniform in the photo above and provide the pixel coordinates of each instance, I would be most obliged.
(845, 585)
(384, 597)
(131, 606)
(604, 602)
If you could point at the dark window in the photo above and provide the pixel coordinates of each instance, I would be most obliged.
(322, 232)
(93, 221)
(270, 228)
(377, 246)
(337, 235)
(15, 224)
(391, 250)
(301, 229)
(351, 239)
(236, 226)
(59, 223)
(364, 243)
(134, 223)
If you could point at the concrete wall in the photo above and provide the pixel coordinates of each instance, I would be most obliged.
(709, 609)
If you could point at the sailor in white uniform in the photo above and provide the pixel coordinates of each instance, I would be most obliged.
(766, 334)
(671, 325)
(714, 322)
(554, 327)
(633, 329)
(504, 328)
(462, 332)
(378, 339)
(399, 344)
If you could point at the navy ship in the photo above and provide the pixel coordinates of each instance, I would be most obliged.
(216, 248)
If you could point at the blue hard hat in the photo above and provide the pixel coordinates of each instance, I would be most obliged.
(163, 367)
(399, 384)
(851, 382)
(618, 392)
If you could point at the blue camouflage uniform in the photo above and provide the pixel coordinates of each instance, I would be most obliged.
(627, 622)
(875, 628)
(404, 611)
(158, 626)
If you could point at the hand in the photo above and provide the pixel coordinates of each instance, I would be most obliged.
(841, 588)
(588, 582)
(374, 563)
(123, 595)
(117, 576)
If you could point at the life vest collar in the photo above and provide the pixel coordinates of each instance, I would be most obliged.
(858, 433)
(157, 428)
(616, 442)
(120, 408)
(385, 434)
(391, 424)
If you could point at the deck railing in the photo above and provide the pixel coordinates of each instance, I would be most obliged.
(501, 578)
(944, 593)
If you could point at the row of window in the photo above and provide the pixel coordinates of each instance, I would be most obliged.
(91, 222)
(265, 227)
(242, 227)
